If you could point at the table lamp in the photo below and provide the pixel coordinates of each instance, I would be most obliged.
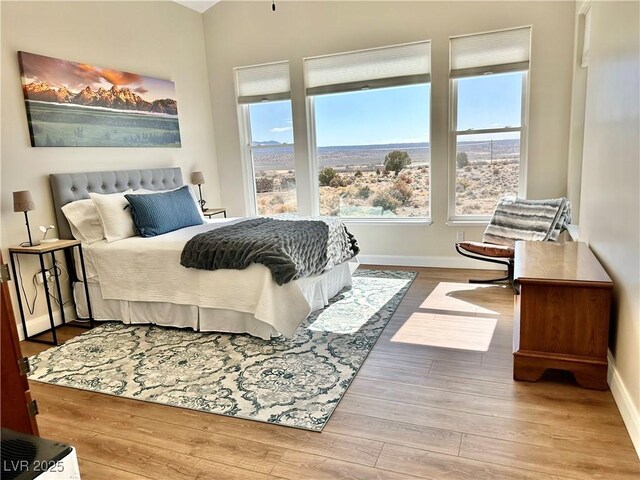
(22, 202)
(197, 178)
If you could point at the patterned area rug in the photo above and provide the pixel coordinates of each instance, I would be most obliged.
(296, 382)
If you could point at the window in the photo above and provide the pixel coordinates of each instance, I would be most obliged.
(488, 120)
(265, 113)
(369, 117)
(487, 141)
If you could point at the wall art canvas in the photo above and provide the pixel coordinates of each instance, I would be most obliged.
(73, 104)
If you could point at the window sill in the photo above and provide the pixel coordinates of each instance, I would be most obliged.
(470, 223)
(387, 221)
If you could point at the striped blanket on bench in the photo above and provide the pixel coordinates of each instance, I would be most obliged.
(520, 219)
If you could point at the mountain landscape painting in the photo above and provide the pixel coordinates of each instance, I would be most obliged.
(73, 104)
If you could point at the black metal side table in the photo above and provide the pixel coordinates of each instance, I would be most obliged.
(210, 212)
(42, 250)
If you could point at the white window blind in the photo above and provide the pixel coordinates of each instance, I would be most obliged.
(494, 52)
(586, 40)
(396, 65)
(263, 83)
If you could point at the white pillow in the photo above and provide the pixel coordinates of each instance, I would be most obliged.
(115, 215)
(84, 220)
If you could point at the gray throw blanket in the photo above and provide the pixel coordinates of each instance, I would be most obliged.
(532, 220)
(291, 249)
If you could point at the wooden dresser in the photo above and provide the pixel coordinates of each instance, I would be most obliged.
(562, 312)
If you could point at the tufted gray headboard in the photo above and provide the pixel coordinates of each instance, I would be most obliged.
(69, 187)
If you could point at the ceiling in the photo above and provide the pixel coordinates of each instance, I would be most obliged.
(198, 5)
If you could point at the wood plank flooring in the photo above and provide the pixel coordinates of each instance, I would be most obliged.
(418, 408)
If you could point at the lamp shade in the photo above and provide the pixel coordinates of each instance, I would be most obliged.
(197, 178)
(22, 201)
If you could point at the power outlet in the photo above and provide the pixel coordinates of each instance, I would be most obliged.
(459, 236)
(47, 274)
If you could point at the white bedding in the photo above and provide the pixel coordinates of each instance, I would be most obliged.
(140, 269)
(317, 291)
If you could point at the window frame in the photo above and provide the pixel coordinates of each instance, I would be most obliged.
(585, 50)
(248, 166)
(453, 218)
(314, 169)
(314, 163)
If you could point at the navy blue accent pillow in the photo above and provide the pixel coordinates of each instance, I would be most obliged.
(157, 213)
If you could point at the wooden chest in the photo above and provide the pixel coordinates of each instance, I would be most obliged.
(562, 312)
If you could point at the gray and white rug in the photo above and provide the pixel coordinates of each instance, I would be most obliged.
(296, 382)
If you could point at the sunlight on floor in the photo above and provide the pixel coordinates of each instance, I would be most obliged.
(460, 298)
(447, 331)
(350, 315)
(452, 316)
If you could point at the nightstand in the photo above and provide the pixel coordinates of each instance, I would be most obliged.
(42, 250)
(210, 212)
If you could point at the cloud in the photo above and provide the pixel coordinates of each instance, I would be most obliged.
(116, 77)
(58, 73)
(74, 76)
(280, 129)
(141, 90)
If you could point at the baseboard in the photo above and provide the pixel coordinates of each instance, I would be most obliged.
(40, 324)
(628, 410)
(435, 262)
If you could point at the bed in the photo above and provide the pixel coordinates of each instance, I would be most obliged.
(140, 280)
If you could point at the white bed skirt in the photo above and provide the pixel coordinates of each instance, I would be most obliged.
(317, 290)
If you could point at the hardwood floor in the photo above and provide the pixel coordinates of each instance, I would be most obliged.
(418, 408)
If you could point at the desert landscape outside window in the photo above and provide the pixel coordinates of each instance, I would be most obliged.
(271, 147)
(370, 131)
(373, 152)
(487, 141)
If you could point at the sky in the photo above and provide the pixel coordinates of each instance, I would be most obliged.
(394, 115)
(75, 76)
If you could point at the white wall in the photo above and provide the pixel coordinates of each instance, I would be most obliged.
(158, 39)
(610, 198)
(246, 33)
(578, 99)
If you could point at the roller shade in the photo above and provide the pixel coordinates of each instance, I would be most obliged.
(263, 83)
(586, 39)
(364, 69)
(495, 52)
